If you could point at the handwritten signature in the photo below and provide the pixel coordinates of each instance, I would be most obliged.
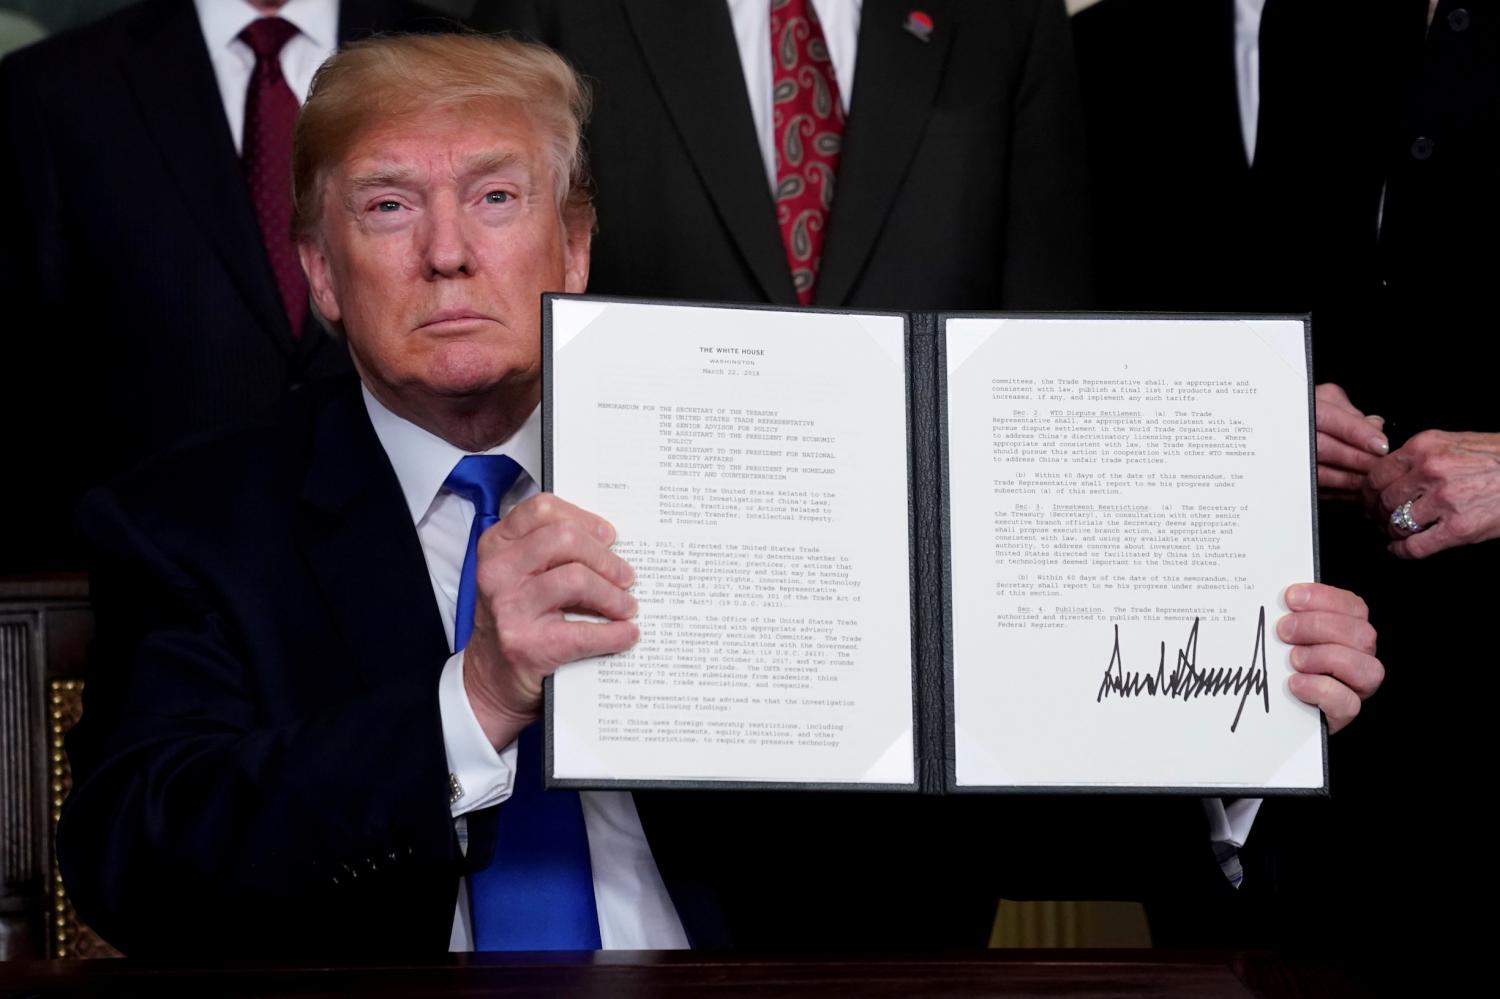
(1186, 680)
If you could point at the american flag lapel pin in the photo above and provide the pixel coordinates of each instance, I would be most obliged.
(919, 23)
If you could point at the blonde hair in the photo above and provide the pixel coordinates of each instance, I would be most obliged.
(394, 76)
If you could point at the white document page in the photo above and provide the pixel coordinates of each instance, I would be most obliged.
(1128, 499)
(754, 464)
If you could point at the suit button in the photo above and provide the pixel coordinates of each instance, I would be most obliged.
(1421, 149)
(1459, 20)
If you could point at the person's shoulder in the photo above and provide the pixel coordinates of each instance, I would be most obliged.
(76, 48)
(85, 60)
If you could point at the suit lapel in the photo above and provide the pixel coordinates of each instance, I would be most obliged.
(173, 81)
(356, 533)
(693, 58)
(896, 76)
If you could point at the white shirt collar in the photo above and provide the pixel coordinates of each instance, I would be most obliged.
(223, 20)
(423, 460)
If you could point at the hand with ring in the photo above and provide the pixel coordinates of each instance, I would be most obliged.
(1439, 490)
(1402, 520)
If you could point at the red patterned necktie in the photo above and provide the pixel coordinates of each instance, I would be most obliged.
(809, 128)
(270, 115)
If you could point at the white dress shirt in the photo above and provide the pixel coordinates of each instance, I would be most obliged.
(1247, 69)
(317, 37)
(635, 911)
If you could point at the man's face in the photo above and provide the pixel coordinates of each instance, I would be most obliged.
(439, 236)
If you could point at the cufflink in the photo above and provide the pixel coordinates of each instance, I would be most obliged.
(455, 789)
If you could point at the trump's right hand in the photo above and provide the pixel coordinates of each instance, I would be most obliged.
(546, 558)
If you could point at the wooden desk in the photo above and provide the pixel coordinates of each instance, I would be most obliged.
(625, 975)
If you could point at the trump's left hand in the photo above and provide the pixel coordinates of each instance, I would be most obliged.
(1333, 650)
(1452, 481)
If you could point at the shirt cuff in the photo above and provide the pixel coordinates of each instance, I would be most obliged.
(1229, 821)
(478, 776)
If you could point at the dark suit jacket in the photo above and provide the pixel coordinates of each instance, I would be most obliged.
(1182, 221)
(141, 307)
(960, 184)
(260, 765)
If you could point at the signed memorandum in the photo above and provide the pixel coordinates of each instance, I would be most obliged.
(938, 553)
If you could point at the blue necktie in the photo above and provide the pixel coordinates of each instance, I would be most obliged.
(538, 891)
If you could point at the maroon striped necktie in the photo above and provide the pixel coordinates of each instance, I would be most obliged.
(808, 119)
(270, 116)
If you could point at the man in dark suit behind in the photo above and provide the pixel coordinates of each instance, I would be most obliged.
(142, 305)
(959, 183)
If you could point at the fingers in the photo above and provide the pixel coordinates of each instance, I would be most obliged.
(1435, 539)
(1338, 703)
(1339, 421)
(1349, 443)
(1334, 484)
(1325, 598)
(548, 555)
(1427, 510)
(544, 558)
(1399, 492)
(575, 640)
(1356, 670)
(1332, 393)
(1334, 453)
(1335, 650)
(1411, 459)
(534, 650)
(509, 562)
(1318, 628)
(1341, 468)
(545, 508)
(1390, 469)
(573, 587)
(531, 637)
